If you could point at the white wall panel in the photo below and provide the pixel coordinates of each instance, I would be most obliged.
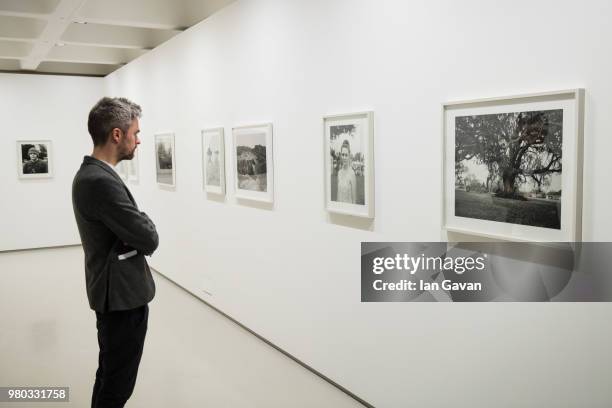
(38, 213)
(293, 273)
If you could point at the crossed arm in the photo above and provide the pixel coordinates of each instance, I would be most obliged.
(114, 209)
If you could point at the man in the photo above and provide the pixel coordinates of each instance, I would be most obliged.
(116, 236)
(35, 165)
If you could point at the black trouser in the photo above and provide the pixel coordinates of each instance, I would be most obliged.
(121, 338)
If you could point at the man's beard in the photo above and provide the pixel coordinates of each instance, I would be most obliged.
(129, 155)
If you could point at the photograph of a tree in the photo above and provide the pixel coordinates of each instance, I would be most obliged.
(508, 167)
(251, 163)
(164, 155)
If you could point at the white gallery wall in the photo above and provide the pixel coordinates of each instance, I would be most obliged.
(37, 213)
(292, 272)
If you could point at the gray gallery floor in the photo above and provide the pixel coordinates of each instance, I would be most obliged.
(193, 357)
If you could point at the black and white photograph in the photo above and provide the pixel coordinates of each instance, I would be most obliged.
(165, 159)
(213, 160)
(34, 159)
(347, 177)
(348, 145)
(253, 165)
(508, 167)
(512, 166)
(251, 162)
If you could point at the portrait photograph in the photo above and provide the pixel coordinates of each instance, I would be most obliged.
(34, 159)
(253, 166)
(513, 166)
(165, 159)
(349, 146)
(213, 160)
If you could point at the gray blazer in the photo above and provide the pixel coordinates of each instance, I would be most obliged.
(111, 225)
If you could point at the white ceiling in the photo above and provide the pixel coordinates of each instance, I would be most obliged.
(90, 37)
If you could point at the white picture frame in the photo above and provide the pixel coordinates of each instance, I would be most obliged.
(32, 165)
(253, 179)
(213, 160)
(349, 179)
(536, 199)
(165, 159)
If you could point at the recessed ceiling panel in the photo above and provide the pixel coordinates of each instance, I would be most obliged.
(105, 35)
(93, 55)
(136, 13)
(21, 27)
(76, 68)
(28, 7)
(14, 49)
(9, 64)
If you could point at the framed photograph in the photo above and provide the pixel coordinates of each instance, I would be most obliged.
(349, 164)
(253, 163)
(34, 159)
(122, 169)
(513, 167)
(165, 161)
(213, 160)
(132, 168)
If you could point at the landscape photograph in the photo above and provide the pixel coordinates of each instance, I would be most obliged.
(251, 165)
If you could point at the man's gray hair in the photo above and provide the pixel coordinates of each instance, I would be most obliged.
(111, 113)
